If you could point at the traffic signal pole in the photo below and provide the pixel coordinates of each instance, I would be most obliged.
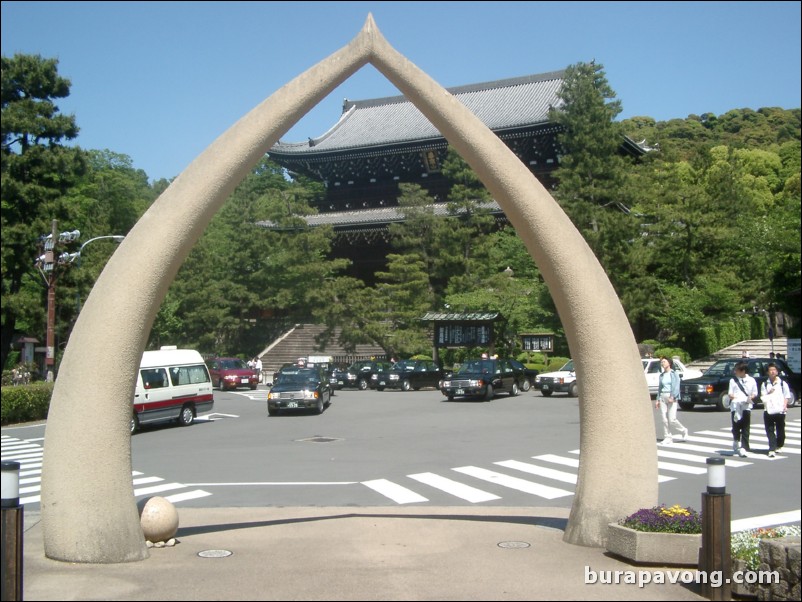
(50, 258)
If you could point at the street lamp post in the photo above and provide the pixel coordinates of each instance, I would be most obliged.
(47, 266)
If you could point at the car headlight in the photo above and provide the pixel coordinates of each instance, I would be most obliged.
(310, 394)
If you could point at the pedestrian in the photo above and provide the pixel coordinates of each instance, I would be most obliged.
(667, 401)
(775, 395)
(742, 392)
(257, 365)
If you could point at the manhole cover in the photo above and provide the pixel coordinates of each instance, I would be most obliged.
(318, 439)
(513, 544)
(214, 553)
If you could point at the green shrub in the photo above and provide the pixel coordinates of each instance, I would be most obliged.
(25, 403)
(555, 363)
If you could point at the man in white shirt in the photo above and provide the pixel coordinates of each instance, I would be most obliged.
(775, 395)
(742, 392)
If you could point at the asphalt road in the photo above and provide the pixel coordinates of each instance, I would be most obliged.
(394, 448)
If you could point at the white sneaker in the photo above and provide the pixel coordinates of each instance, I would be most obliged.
(666, 441)
(684, 434)
(779, 450)
(771, 454)
(741, 452)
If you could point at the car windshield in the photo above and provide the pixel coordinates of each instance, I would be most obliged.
(721, 368)
(404, 365)
(233, 364)
(301, 378)
(477, 367)
(569, 367)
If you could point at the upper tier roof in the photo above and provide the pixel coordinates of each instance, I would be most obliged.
(501, 104)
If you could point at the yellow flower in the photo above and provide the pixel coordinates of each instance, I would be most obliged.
(675, 510)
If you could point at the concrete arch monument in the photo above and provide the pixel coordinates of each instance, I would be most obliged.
(88, 508)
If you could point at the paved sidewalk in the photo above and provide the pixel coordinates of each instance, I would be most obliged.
(386, 553)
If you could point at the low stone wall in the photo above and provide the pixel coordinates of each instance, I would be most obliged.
(783, 556)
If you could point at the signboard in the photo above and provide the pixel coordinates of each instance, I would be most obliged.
(537, 342)
(792, 355)
(463, 335)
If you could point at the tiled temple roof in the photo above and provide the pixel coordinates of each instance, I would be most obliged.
(501, 104)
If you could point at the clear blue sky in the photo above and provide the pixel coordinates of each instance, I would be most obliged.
(159, 81)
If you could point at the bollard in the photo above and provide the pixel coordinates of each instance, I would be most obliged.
(12, 527)
(716, 554)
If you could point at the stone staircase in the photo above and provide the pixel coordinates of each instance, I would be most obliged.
(300, 341)
(754, 348)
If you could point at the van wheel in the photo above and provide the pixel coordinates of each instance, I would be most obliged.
(573, 391)
(514, 389)
(526, 385)
(405, 386)
(363, 384)
(187, 416)
(489, 393)
(134, 424)
(723, 402)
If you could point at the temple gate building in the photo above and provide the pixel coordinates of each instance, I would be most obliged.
(379, 143)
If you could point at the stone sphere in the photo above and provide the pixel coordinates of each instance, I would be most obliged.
(159, 519)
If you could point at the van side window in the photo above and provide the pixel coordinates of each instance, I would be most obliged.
(154, 378)
(189, 375)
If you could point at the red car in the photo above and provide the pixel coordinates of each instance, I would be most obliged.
(231, 373)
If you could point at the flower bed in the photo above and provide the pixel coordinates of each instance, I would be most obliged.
(658, 535)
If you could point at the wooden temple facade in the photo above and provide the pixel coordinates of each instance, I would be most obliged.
(378, 144)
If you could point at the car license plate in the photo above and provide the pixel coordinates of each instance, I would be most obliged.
(381, 384)
(545, 387)
(243, 381)
(292, 404)
(459, 392)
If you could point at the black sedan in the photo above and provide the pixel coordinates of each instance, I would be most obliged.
(483, 378)
(300, 389)
(409, 374)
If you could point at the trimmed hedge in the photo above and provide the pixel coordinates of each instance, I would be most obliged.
(25, 403)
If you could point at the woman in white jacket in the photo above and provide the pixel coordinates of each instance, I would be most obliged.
(776, 396)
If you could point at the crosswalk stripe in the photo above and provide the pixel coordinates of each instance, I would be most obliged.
(555, 459)
(514, 482)
(767, 520)
(460, 490)
(157, 489)
(187, 495)
(753, 435)
(700, 459)
(21, 455)
(395, 492)
(549, 473)
(146, 480)
(673, 467)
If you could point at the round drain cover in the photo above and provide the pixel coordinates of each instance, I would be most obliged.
(214, 553)
(513, 544)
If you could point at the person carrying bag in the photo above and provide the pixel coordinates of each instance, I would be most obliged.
(776, 396)
(742, 392)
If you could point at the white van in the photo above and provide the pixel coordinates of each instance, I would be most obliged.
(172, 384)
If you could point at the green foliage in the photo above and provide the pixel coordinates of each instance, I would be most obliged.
(36, 174)
(556, 362)
(25, 403)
